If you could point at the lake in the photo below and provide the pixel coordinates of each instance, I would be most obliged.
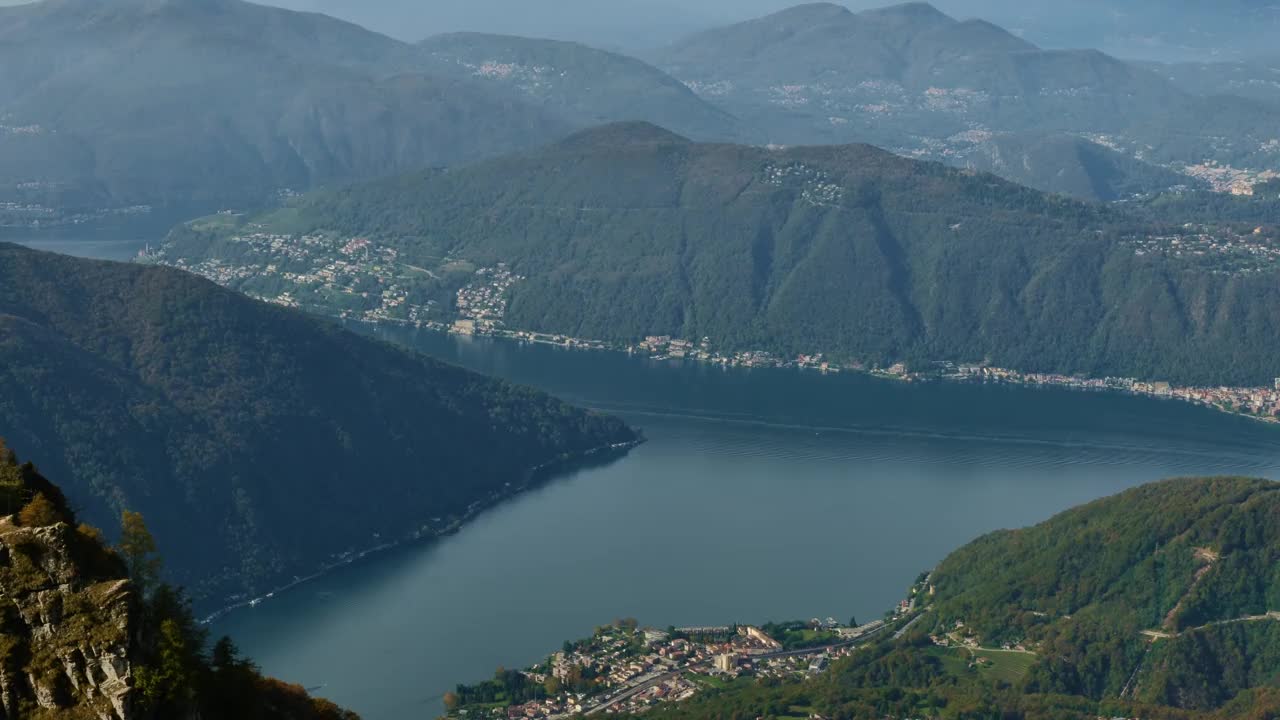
(760, 494)
(113, 238)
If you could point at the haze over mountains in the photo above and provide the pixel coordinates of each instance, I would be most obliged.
(1178, 30)
(916, 81)
(259, 442)
(578, 83)
(213, 103)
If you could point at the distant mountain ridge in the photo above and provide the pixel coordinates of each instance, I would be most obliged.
(215, 101)
(584, 85)
(224, 103)
(261, 444)
(914, 80)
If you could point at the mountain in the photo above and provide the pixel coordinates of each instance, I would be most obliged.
(916, 81)
(223, 101)
(260, 443)
(83, 640)
(1158, 30)
(630, 230)
(1156, 603)
(216, 103)
(1257, 79)
(617, 24)
(1161, 593)
(1069, 165)
(582, 85)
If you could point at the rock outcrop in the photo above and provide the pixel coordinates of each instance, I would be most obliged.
(67, 626)
(79, 640)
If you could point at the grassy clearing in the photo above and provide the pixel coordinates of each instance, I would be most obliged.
(1006, 666)
(998, 665)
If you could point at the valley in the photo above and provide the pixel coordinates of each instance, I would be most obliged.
(438, 357)
(752, 483)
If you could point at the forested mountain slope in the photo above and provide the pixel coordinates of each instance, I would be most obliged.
(629, 230)
(259, 442)
(1189, 562)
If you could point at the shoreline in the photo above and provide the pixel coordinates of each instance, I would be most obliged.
(534, 478)
(483, 317)
(1212, 398)
(945, 372)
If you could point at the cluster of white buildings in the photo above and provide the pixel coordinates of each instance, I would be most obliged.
(1226, 179)
(484, 301)
(1227, 251)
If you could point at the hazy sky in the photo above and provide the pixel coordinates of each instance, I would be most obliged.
(1133, 28)
(619, 22)
(633, 23)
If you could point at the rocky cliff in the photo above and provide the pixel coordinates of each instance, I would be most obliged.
(81, 640)
(66, 631)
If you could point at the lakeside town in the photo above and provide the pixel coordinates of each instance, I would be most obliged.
(360, 280)
(623, 668)
(627, 669)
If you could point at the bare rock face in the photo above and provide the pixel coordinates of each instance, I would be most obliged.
(66, 627)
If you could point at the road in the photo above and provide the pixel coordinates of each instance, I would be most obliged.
(907, 627)
(637, 689)
(1163, 635)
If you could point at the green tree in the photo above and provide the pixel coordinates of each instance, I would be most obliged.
(230, 689)
(171, 680)
(552, 685)
(226, 658)
(138, 548)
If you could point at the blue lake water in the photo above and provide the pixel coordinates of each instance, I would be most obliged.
(760, 494)
(117, 238)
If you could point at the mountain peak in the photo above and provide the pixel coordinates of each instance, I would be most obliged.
(138, 5)
(913, 12)
(817, 12)
(622, 134)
